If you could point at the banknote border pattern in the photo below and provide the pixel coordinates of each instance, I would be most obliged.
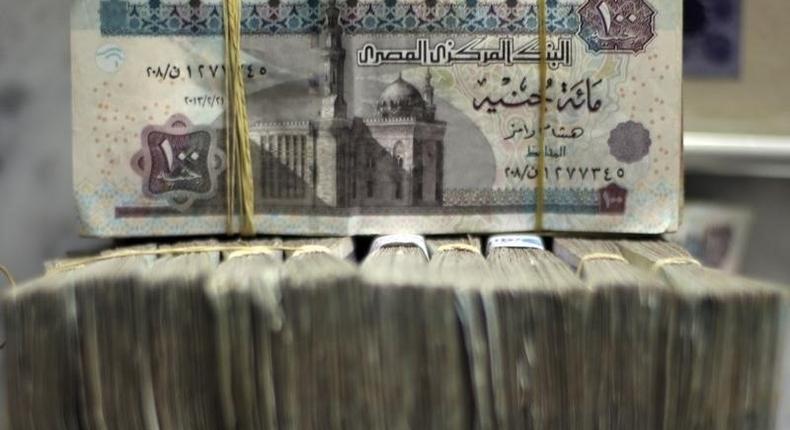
(126, 18)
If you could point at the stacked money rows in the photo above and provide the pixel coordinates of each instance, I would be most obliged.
(424, 335)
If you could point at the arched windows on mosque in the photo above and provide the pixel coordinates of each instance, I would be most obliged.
(398, 154)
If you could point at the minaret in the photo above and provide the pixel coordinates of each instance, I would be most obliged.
(332, 128)
(332, 104)
(430, 108)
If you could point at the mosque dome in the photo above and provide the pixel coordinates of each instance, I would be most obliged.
(401, 99)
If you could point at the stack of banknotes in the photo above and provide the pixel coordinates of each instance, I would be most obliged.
(381, 116)
(443, 333)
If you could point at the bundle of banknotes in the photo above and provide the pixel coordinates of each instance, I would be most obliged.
(442, 333)
(381, 116)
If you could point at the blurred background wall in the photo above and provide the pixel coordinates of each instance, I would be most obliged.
(737, 116)
(754, 99)
(37, 215)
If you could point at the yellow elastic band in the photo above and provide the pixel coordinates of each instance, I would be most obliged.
(458, 247)
(237, 136)
(7, 273)
(598, 256)
(190, 249)
(673, 261)
(542, 76)
(255, 251)
(310, 249)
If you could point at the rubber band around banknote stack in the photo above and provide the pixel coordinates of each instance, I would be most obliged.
(542, 77)
(235, 250)
(240, 185)
(311, 249)
(598, 256)
(458, 247)
(658, 265)
(251, 252)
(523, 241)
(7, 273)
(674, 261)
(400, 240)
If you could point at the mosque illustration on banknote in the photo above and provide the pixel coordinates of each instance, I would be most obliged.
(391, 158)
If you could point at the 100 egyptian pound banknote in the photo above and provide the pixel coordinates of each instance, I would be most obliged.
(380, 116)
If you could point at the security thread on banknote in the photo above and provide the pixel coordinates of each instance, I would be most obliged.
(381, 116)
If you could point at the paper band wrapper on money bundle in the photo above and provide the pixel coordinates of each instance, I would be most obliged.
(381, 116)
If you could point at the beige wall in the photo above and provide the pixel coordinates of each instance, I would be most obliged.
(758, 101)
